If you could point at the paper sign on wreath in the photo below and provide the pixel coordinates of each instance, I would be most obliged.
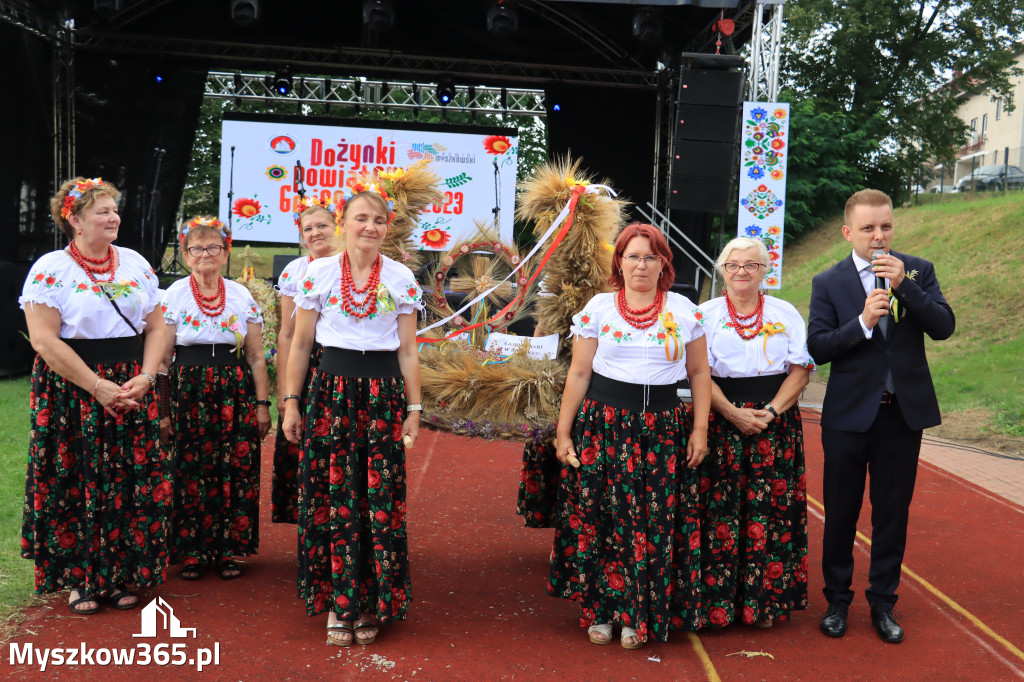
(540, 347)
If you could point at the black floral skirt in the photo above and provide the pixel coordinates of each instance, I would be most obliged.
(284, 484)
(98, 489)
(353, 549)
(627, 539)
(538, 485)
(753, 506)
(217, 463)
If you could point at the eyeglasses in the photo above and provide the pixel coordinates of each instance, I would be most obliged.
(634, 259)
(212, 249)
(751, 268)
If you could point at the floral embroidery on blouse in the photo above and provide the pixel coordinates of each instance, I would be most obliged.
(48, 280)
(412, 292)
(307, 284)
(83, 287)
(616, 334)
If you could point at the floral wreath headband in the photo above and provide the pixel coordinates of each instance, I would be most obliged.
(76, 193)
(212, 223)
(307, 202)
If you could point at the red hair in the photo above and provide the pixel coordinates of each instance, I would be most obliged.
(659, 245)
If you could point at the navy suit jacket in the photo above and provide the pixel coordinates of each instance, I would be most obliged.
(859, 365)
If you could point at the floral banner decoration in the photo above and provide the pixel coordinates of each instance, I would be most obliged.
(762, 185)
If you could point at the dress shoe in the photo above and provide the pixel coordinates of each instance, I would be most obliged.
(888, 629)
(833, 623)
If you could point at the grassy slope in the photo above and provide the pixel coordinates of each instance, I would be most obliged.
(977, 247)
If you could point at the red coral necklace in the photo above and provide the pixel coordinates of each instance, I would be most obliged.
(206, 303)
(747, 326)
(95, 266)
(644, 317)
(368, 306)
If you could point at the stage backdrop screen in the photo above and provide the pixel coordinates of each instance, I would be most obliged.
(266, 160)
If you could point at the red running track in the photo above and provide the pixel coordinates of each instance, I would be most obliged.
(481, 612)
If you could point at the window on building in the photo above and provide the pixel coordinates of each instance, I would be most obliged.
(974, 125)
(999, 108)
(984, 127)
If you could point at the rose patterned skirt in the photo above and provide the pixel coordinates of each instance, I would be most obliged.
(353, 549)
(98, 489)
(284, 484)
(538, 485)
(626, 534)
(217, 463)
(753, 507)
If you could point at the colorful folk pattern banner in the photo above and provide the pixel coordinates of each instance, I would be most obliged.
(477, 171)
(764, 150)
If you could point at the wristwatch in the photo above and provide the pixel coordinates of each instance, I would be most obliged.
(772, 410)
(415, 407)
(152, 379)
(263, 402)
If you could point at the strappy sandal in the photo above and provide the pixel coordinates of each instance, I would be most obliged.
(81, 600)
(604, 630)
(365, 626)
(118, 596)
(229, 570)
(340, 627)
(627, 633)
(191, 572)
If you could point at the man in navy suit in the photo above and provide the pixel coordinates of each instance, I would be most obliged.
(878, 401)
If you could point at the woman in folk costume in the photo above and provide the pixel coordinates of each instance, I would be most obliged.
(220, 411)
(364, 401)
(319, 223)
(98, 489)
(626, 538)
(753, 487)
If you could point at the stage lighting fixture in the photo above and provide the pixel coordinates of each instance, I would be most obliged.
(283, 81)
(556, 107)
(378, 15)
(445, 91)
(503, 18)
(646, 27)
(245, 12)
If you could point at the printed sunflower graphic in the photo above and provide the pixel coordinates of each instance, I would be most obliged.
(246, 208)
(497, 144)
(435, 238)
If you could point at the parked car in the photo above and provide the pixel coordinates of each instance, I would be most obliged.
(942, 189)
(994, 177)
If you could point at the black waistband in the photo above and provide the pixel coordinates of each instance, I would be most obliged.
(344, 362)
(750, 389)
(207, 354)
(628, 396)
(106, 351)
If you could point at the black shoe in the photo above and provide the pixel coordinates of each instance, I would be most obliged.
(888, 629)
(833, 623)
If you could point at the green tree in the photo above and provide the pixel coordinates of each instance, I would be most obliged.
(895, 70)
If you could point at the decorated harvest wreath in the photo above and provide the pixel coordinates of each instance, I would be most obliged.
(470, 392)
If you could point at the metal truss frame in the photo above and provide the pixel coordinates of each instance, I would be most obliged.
(381, 95)
(764, 51)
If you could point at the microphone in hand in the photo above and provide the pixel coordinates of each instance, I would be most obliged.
(879, 281)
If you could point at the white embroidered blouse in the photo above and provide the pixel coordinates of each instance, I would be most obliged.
(654, 356)
(193, 327)
(290, 278)
(320, 290)
(781, 341)
(57, 281)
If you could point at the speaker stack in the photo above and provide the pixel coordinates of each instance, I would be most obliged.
(704, 144)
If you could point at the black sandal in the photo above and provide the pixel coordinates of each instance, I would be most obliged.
(121, 592)
(229, 570)
(81, 600)
(191, 572)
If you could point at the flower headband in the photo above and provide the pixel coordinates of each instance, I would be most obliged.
(212, 223)
(307, 202)
(378, 188)
(76, 193)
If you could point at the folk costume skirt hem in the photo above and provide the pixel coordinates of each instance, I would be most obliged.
(97, 490)
(353, 554)
(627, 533)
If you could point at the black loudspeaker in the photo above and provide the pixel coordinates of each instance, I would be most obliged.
(704, 145)
(16, 352)
(281, 261)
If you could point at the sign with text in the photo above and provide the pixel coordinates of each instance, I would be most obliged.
(541, 347)
(266, 160)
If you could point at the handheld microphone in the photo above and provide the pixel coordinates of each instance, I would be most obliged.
(879, 281)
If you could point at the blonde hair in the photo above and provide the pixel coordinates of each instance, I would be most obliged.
(865, 197)
(742, 244)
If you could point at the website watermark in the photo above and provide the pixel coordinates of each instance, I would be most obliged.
(157, 616)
